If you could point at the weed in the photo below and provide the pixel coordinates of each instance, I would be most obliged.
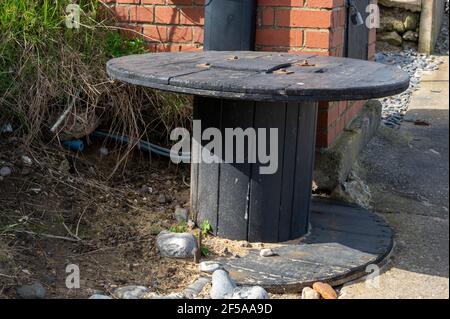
(206, 227)
(181, 227)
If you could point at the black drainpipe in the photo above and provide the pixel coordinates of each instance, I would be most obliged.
(230, 25)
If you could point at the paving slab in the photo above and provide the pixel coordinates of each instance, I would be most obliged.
(408, 173)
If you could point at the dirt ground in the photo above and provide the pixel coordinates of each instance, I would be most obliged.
(108, 225)
(73, 208)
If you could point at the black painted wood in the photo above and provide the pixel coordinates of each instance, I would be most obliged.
(357, 36)
(230, 24)
(249, 205)
(332, 252)
(208, 110)
(266, 190)
(234, 180)
(256, 75)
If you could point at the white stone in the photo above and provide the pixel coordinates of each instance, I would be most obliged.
(26, 160)
(131, 292)
(255, 292)
(267, 252)
(5, 171)
(209, 267)
(176, 245)
(222, 285)
(98, 296)
(309, 293)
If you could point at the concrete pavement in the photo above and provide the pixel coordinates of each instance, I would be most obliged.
(407, 171)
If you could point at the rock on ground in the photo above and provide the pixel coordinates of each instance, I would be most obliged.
(309, 293)
(98, 296)
(325, 290)
(181, 214)
(5, 171)
(266, 252)
(209, 266)
(131, 292)
(222, 284)
(254, 292)
(176, 245)
(196, 288)
(354, 190)
(33, 291)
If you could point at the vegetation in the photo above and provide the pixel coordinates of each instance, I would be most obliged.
(44, 65)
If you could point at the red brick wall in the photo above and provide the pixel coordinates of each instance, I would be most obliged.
(295, 26)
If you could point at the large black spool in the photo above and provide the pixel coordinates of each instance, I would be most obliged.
(230, 25)
(237, 200)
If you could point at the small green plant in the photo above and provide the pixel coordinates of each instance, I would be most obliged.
(181, 227)
(205, 251)
(117, 46)
(206, 227)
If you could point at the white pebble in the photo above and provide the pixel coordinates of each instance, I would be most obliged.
(267, 252)
(104, 151)
(5, 171)
(209, 267)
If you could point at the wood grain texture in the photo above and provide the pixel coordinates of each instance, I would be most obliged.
(256, 75)
(336, 250)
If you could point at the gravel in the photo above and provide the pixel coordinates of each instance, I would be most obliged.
(395, 107)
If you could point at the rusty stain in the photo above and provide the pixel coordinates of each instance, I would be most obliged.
(283, 71)
(305, 63)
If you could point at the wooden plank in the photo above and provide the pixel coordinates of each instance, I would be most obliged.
(209, 111)
(304, 168)
(195, 153)
(266, 190)
(235, 177)
(288, 171)
(323, 255)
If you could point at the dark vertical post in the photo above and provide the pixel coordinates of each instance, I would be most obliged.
(230, 25)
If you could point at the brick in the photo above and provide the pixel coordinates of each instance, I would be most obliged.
(267, 16)
(279, 37)
(192, 16)
(128, 1)
(281, 3)
(198, 34)
(317, 39)
(179, 2)
(180, 34)
(303, 18)
(371, 51)
(325, 4)
(141, 14)
(121, 13)
(155, 33)
(337, 37)
(167, 15)
(153, 1)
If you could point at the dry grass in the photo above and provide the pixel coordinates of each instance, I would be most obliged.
(45, 68)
